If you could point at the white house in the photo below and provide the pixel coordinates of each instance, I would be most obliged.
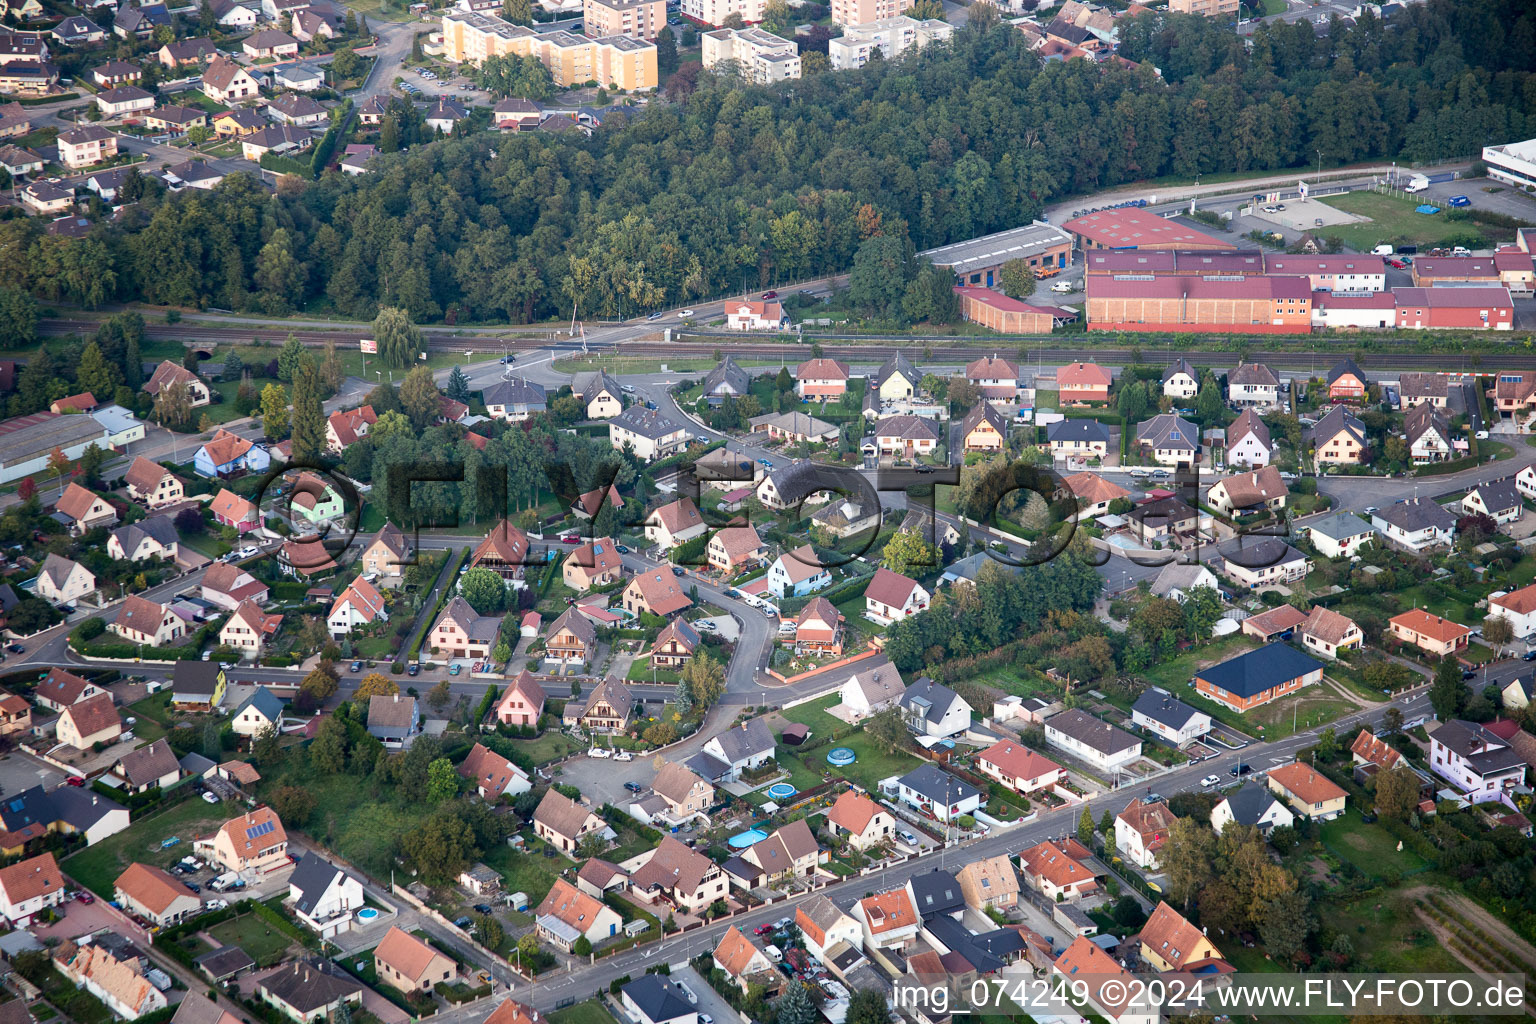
(1248, 441)
(753, 316)
(1161, 714)
(1340, 535)
(1019, 768)
(262, 712)
(822, 925)
(935, 791)
(1482, 766)
(891, 596)
(1497, 499)
(1415, 524)
(1181, 381)
(1096, 742)
(1518, 608)
(1253, 805)
(741, 748)
(323, 897)
(1141, 829)
(360, 604)
(934, 710)
(797, 573)
(29, 887)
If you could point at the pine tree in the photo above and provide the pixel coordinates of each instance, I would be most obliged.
(1085, 827)
(795, 1006)
(684, 697)
(234, 366)
(95, 373)
(308, 418)
(288, 359)
(274, 411)
(458, 385)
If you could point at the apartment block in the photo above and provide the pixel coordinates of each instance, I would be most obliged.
(891, 36)
(639, 19)
(714, 12)
(763, 56)
(615, 61)
(862, 12)
(1209, 8)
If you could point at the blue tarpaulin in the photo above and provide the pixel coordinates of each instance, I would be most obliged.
(1426, 208)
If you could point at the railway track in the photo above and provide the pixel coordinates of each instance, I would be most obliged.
(864, 349)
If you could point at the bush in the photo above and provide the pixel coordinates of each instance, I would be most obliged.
(90, 629)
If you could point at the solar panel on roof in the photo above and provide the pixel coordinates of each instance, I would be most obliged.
(259, 830)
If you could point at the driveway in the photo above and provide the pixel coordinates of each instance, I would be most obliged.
(709, 1001)
(20, 771)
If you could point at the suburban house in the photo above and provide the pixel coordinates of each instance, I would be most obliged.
(1248, 441)
(819, 630)
(674, 645)
(600, 393)
(1253, 386)
(567, 914)
(1109, 986)
(89, 144)
(228, 586)
(1370, 749)
(1078, 439)
(198, 686)
(60, 689)
(1428, 388)
(571, 638)
(461, 632)
(1176, 581)
(155, 895)
(1019, 768)
(151, 766)
(1169, 942)
(228, 455)
(930, 789)
(522, 704)
(514, 399)
(229, 509)
(864, 822)
(1079, 383)
(360, 604)
(29, 887)
(906, 436)
(1094, 494)
(795, 427)
(1308, 792)
(823, 926)
(141, 621)
(1482, 766)
(309, 992)
(930, 709)
(152, 485)
(844, 517)
(870, 690)
(1428, 430)
(674, 524)
(171, 375)
(821, 378)
(1339, 438)
(1415, 524)
(1260, 490)
(1326, 633)
(655, 592)
(270, 42)
(262, 712)
(749, 315)
(93, 720)
(1518, 608)
(1181, 380)
(62, 581)
(742, 748)
(1258, 677)
(996, 379)
(1251, 805)
(789, 852)
(984, 429)
(1165, 716)
(1340, 535)
(346, 427)
(733, 547)
(654, 999)
(798, 573)
(607, 710)
(740, 960)
(1091, 740)
(118, 983)
(891, 596)
(409, 964)
(504, 551)
(388, 553)
(83, 510)
(1347, 382)
(1255, 561)
(1429, 633)
(989, 884)
(686, 794)
(323, 897)
(1057, 870)
(1496, 499)
(646, 433)
(888, 919)
(255, 842)
(896, 379)
(563, 823)
(1141, 829)
(155, 537)
(393, 719)
(679, 875)
(1170, 439)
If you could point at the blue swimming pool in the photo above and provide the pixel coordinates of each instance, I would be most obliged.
(781, 791)
(742, 840)
(367, 914)
(841, 756)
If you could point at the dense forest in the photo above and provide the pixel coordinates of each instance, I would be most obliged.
(734, 186)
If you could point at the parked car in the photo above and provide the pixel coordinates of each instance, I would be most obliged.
(75, 780)
(762, 929)
(906, 837)
(623, 755)
(621, 549)
(635, 787)
(1211, 780)
(482, 908)
(209, 798)
(1528, 656)
(1397, 264)
(685, 314)
(16, 648)
(453, 669)
(1459, 201)
(655, 316)
(215, 904)
(1481, 435)
(85, 897)
(412, 669)
(1062, 287)
(600, 752)
(462, 922)
(357, 666)
(770, 295)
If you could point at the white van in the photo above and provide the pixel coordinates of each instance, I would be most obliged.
(772, 953)
(1382, 250)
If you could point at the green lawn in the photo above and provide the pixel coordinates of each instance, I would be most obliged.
(814, 715)
(553, 744)
(1370, 848)
(1395, 220)
(98, 867)
(590, 1012)
(265, 943)
(872, 765)
(526, 871)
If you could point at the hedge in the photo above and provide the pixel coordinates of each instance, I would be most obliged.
(284, 165)
(450, 575)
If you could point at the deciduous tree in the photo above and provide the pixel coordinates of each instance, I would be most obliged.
(375, 684)
(274, 411)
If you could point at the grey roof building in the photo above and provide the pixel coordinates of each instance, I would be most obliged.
(515, 392)
(1168, 432)
(1093, 733)
(897, 363)
(1412, 515)
(648, 423)
(1084, 430)
(656, 999)
(1341, 526)
(935, 893)
(159, 529)
(265, 703)
(1497, 496)
(1251, 674)
(726, 380)
(26, 441)
(393, 718)
(1250, 803)
(934, 784)
(1162, 706)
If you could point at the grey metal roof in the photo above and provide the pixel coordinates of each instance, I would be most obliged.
(657, 998)
(1250, 674)
(989, 250)
(1078, 430)
(934, 699)
(936, 892)
(1414, 514)
(648, 423)
(264, 701)
(1498, 495)
(897, 363)
(744, 741)
(312, 876)
(36, 440)
(1341, 525)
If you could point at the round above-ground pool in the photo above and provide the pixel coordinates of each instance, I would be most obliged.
(841, 756)
(781, 791)
(367, 914)
(742, 840)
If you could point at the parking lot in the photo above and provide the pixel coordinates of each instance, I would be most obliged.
(20, 771)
